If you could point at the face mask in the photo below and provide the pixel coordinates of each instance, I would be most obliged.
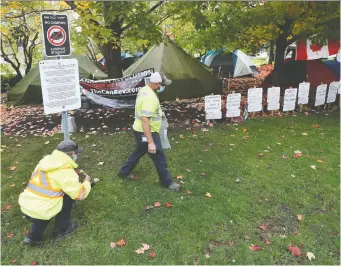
(75, 157)
(162, 88)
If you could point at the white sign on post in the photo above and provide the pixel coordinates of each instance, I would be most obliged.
(333, 88)
(233, 105)
(254, 99)
(273, 98)
(303, 93)
(60, 85)
(290, 96)
(213, 107)
(321, 92)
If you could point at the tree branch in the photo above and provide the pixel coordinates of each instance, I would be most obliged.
(128, 26)
(8, 60)
(37, 11)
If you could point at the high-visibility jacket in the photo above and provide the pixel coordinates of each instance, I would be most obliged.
(147, 105)
(53, 176)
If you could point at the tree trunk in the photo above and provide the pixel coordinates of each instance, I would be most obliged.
(281, 44)
(271, 53)
(112, 53)
(113, 60)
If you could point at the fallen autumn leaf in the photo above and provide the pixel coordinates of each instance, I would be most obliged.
(12, 168)
(254, 247)
(310, 255)
(263, 226)
(100, 163)
(208, 195)
(121, 243)
(157, 204)
(152, 254)
(168, 205)
(139, 251)
(180, 177)
(313, 167)
(145, 247)
(113, 245)
(300, 217)
(294, 250)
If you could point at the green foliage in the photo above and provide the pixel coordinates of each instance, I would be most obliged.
(251, 25)
(21, 27)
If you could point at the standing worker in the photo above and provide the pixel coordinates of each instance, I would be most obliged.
(148, 118)
(51, 191)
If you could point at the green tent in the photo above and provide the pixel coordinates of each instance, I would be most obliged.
(28, 90)
(190, 77)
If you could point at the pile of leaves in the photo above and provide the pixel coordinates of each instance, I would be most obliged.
(31, 120)
(242, 84)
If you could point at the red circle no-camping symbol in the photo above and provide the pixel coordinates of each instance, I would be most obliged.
(56, 35)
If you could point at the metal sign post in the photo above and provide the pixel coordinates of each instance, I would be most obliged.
(60, 87)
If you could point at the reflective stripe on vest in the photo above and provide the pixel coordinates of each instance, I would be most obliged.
(44, 188)
(44, 192)
(81, 194)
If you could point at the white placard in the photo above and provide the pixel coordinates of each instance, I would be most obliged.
(290, 96)
(303, 93)
(274, 94)
(254, 99)
(233, 105)
(212, 103)
(60, 85)
(213, 115)
(333, 89)
(321, 92)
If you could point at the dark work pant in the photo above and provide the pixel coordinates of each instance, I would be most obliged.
(159, 158)
(62, 220)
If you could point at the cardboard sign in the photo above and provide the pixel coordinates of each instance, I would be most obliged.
(56, 35)
(333, 89)
(254, 99)
(60, 85)
(213, 107)
(321, 92)
(274, 94)
(303, 93)
(233, 105)
(213, 115)
(290, 96)
(212, 103)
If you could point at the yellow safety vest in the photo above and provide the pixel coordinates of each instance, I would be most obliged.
(148, 105)
(53, 176)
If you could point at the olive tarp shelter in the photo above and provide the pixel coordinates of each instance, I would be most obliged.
(190, 77)
(28, 89)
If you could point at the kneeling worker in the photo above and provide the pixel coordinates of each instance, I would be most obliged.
(51, 191)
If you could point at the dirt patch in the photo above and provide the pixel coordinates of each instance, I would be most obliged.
(282, 225)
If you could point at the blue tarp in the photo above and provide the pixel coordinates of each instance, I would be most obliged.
(334, 66)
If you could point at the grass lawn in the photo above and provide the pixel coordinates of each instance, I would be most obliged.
(272, 191)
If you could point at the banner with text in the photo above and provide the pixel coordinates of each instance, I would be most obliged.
(124, 87)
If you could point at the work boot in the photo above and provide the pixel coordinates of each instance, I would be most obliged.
(174, 187)
(130, 177)
(60, 235)
(28, 241)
